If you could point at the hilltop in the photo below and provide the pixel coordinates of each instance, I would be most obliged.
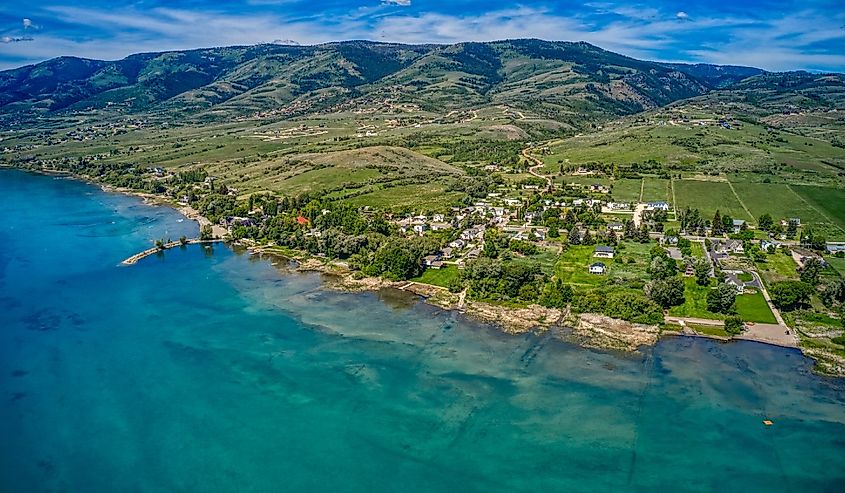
(559, 80)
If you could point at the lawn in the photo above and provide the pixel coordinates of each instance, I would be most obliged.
(573, 264)
(546, 258)
(695, 303)
(753, 308)
(777, 267)
(707, 197)
(831, 202)
(709, 330)
(427, 197)
(630, 264)
(438, 277)
(655, 189)
(626, 190)
(697, 249)
(837, 263)
(759, 198)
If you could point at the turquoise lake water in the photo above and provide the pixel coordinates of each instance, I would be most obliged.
(203, 370)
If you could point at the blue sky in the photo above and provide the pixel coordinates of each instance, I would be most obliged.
(771, 34)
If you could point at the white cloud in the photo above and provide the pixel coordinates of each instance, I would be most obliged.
(643, 34)
(401, 3)
(9, 39)
(27, 23)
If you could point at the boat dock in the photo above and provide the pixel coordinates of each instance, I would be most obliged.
(173, 244)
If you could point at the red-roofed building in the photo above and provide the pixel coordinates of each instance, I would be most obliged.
(302, 220)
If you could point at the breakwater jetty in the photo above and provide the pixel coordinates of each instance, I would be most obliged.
(173, 244)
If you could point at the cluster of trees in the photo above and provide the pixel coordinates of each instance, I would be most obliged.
(492, 279)
(722, 299)
(622, 304)
(790, 295)
(666, 288)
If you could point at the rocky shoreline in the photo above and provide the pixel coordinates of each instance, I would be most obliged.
(592, 331)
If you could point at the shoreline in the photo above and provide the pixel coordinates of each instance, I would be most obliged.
(589, 331)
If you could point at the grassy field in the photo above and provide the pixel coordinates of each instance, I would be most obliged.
(709, 196)
(781, 201)
(697, 249)
(626, 190)
(695, 304)
(828, 201)
(630, 263)
(545, 258)
(710, 330)
(655, 189)
(438, 277)
(572, 266)
(837, 263)
(777, 267)
(753, 308)
(424, 197)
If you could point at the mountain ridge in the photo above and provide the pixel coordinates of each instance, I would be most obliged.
(558, 80)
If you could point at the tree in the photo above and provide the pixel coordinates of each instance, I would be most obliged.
(556, 294)
(721, 298)
(702, 272)
(734, 325)
(183, 240)
(811, 271)
(789, 295)
(666, 292)
(765, 222)
(662, 266)
(834, 293)
(206, 232)
(717, 223)
(792, 229)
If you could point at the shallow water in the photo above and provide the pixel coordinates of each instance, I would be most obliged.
(201, 370)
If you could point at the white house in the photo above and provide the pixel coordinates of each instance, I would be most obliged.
(602, 251)
(660, 205)
(597, 268)
(458, 244)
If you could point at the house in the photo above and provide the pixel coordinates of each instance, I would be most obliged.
(602, 251)
(597, 268)
(765, 245)
(690, 270)
(730, 246)
(420, 228)
(738, 224)
(802, 255)
(458, 244)
(618, 206)
(595, 187)
(669, 240)
(446, 253)
(302, 220)
(428, 260)
(834, 248)
(472, 233)
(616, 227)
(655, 206)
(474, 253)
(438, 218)
(440, 226)
(733, 280)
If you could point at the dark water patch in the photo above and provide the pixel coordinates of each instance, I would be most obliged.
(44, 320)
(16, 396)
(19, 373)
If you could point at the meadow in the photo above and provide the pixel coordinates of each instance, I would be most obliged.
(708, 197)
